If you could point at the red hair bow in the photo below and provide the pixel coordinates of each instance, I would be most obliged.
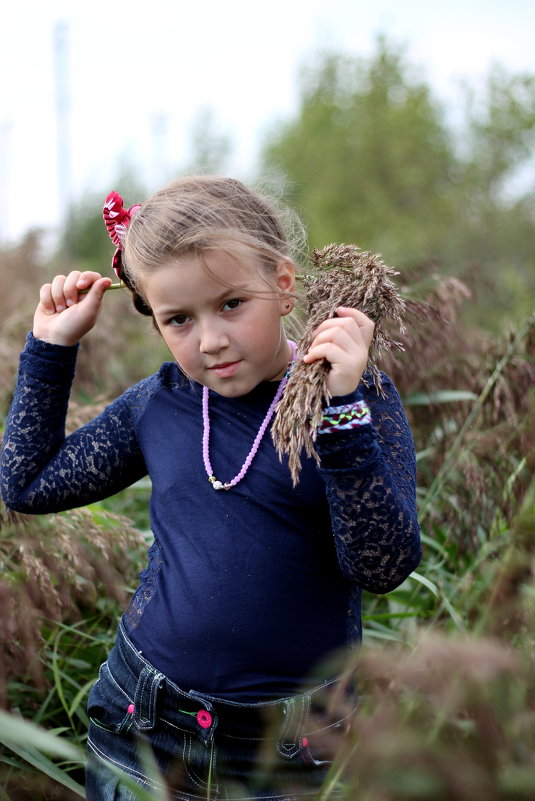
(117, 220)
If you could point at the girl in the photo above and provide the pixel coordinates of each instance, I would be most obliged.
(251, 584)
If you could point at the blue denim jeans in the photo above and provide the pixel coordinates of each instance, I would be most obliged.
(204, 747)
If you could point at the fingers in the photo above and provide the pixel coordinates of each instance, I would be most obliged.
(344, 342)
(366, 326)
(57, 292)
(63, 291)
(45, 299)
(64, 315)
(350, 328)
(94, 296)
(355, 322)
(337, 330)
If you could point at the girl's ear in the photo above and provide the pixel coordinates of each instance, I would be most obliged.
(285, 282)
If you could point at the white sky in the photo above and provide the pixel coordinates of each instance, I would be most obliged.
(135, 65)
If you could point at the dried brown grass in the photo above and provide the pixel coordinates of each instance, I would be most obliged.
(452, 717)
(342, 275)
(53, 567)
(442, 352)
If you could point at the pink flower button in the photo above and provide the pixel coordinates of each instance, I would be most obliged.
(204, 719)
(130, 709)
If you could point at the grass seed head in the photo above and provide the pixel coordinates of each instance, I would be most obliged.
(342, 275)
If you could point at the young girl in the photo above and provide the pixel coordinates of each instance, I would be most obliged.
(251, 584)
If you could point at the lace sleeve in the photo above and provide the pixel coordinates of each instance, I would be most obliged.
(43, 471)
(370, 475)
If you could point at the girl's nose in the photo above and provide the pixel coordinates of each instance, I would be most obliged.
(212, 338)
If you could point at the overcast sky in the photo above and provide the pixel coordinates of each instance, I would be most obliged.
(138, 74)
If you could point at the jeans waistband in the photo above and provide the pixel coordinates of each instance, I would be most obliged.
(151, 697)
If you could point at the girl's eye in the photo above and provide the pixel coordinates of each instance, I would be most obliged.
(179, 320)
(233, 303)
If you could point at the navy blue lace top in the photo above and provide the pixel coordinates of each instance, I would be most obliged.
(246, 591)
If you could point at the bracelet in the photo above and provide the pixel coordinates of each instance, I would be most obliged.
(344, 418)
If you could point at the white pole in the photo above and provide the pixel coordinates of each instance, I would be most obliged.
(62, 80)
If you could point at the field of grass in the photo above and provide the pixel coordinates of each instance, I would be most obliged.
(446, 669)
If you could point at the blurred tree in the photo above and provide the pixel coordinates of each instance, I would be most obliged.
(210, 148)
(495, 224)
(369, 159)
(501, 125)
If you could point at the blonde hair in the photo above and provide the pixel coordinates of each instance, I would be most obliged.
(195, 214)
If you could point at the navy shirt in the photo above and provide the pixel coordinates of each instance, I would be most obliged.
(248, 590)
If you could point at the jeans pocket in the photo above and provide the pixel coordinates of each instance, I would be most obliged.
(314, 755)
(320, 747)
(108, 706)
(196, 761)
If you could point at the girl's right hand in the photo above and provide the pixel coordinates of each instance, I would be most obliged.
(63, 316)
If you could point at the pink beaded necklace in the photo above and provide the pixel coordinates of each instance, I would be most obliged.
(218, 485)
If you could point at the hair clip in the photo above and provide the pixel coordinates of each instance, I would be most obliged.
(117, 220)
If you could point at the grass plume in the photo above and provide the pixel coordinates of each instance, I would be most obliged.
(343, 275)
(53, 567)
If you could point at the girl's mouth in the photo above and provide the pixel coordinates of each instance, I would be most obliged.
(226, 369)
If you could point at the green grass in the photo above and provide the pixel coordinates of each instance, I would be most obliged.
(459, 706)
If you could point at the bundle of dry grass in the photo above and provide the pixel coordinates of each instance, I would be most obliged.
(343, 275)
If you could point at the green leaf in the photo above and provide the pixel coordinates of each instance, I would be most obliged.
(46, 766)
(440, 396)
(16, 732)
(426, 582)
(79, 695)
(31, 743)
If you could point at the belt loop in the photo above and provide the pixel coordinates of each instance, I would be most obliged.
(206, 730)
(296, 711)
(145, 698)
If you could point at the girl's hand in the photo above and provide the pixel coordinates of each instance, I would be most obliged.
(344, 341)
(63, 316)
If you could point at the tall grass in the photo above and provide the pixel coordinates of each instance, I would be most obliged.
(445, 671)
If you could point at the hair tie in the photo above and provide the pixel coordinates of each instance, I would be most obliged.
(117, 220)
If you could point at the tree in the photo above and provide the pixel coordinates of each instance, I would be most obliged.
(369, 159)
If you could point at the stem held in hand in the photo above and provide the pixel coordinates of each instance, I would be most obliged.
(119, 285)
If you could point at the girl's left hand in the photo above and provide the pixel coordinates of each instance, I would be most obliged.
(344, 341)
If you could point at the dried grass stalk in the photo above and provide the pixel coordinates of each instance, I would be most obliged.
(344, 275)
(56, 568)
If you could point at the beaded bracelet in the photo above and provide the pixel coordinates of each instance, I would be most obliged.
(343, 418)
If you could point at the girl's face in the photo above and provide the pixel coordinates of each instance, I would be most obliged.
(223, 324)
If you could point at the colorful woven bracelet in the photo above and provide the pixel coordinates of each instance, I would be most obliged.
(343, 418)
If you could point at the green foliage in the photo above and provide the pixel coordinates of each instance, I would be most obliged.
(366, 156)
(210, 149)
(62, 592)
(501, 129)
(369, 159)
(476, 581)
